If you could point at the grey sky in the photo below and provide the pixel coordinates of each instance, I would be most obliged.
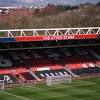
(62, 1)
(45, 2)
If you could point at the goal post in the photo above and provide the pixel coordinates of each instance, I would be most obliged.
(2, 84)
(50, 80)
(5, 80)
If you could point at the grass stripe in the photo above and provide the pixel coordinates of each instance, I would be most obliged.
(10, 94)
(78, 90)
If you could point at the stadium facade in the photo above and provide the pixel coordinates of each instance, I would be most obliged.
(31, 55)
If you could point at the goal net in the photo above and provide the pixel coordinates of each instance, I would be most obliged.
(50, 80)
(5, 80)
(1, 84)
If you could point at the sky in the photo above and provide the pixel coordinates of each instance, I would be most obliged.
(29, 1)
(45, 2)
(61, 1)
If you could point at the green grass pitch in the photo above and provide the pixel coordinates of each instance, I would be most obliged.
(87, 89)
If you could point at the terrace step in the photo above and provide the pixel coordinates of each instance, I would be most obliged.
(74, 75)
(35, 76)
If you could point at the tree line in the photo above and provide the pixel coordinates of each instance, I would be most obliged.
(76, 17)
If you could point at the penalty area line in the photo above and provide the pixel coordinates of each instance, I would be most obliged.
(11, 94)
(88, 82)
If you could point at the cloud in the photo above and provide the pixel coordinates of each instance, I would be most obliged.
(28, 1)
(60, 1)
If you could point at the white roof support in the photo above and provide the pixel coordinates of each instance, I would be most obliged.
(50, 32)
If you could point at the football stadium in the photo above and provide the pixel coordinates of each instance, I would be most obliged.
(50, 64)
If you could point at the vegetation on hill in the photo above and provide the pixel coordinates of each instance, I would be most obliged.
(82, 16)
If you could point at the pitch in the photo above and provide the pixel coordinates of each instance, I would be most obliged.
(86, 89)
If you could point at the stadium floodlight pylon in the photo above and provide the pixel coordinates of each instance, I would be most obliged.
(51, 80)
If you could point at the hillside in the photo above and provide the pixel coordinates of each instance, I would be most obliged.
(86, 16)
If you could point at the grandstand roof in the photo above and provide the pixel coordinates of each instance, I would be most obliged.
(50, 34)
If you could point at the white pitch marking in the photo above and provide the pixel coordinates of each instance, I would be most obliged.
(64, 86)
(23, 98)
(89, 82)
(20, 97)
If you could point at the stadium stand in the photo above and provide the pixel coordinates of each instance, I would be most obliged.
(86, 71)
(28, 76)
(40, 61)
(44, 74)
(8, 75)
(21, 62)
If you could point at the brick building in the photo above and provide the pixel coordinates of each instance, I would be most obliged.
(6, 14)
